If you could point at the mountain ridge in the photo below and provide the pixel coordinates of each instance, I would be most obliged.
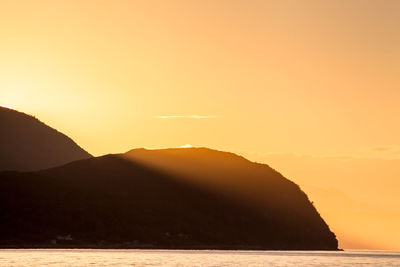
(60, 196)
(28, 144)
(119, 201)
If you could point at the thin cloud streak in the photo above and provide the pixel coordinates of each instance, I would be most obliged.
(185, 117)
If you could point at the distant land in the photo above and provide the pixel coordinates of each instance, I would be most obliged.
(27, 144)
(188, 198)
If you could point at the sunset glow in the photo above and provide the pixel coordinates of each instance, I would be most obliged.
(310, 88)
(6, 106)
(187, 146)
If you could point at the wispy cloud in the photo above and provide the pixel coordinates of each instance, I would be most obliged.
(383, 148)
(184, 117)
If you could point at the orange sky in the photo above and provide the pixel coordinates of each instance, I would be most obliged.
(301, 85)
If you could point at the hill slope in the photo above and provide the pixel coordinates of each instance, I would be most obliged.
(174, 198)
(28, 144)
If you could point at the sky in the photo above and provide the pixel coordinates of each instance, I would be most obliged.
(308, 87)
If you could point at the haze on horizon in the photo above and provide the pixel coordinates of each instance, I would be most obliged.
(309, 87)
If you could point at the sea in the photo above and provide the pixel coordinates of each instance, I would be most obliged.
(220, 258)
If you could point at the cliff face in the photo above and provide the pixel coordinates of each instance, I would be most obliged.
(28, 144)
(174, 198)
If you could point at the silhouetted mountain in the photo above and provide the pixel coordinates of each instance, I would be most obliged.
(28, 144)
(173, 198)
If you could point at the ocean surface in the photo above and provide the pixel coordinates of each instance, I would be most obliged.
(99, 257)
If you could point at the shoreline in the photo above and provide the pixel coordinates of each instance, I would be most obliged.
(199, 248)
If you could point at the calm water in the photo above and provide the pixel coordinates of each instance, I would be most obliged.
(78, 257)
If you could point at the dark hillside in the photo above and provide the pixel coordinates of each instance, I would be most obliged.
(203, 200)
(28, 144)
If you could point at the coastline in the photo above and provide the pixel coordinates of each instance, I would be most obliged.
(169, 248)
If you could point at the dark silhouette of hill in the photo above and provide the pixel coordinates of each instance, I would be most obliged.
(28, 144)
(173, 198)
